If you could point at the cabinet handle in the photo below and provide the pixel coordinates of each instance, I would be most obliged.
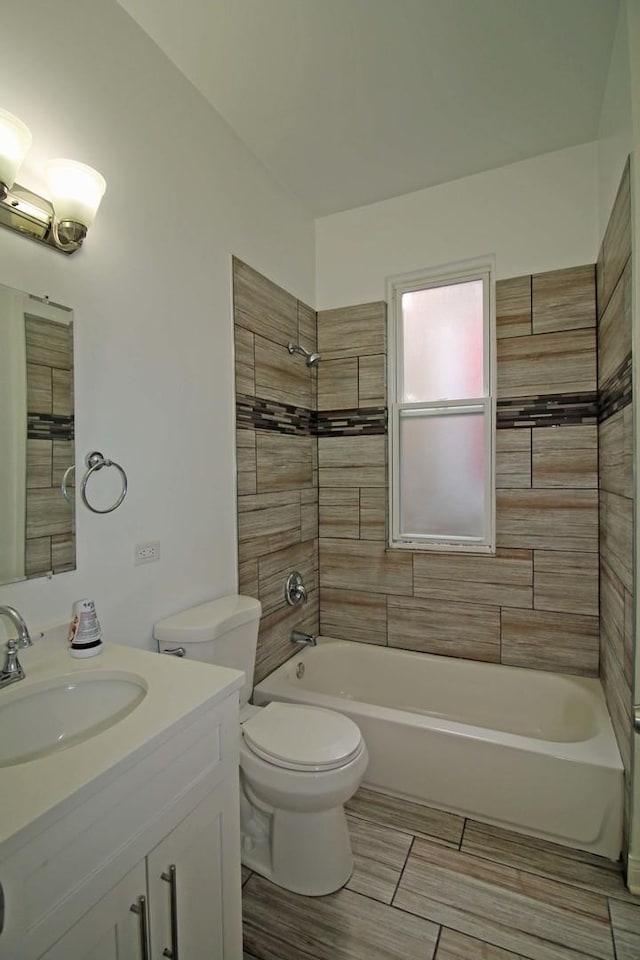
(140, 908)
(170, 878)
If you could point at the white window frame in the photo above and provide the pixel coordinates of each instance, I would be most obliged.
(482, 268)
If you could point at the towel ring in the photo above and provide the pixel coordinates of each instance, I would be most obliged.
(95, 461)
(65, 481)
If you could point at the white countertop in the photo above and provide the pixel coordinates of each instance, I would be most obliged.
(35, 793)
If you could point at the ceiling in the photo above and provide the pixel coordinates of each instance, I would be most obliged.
(347, 102)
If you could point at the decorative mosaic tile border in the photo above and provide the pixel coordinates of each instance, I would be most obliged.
(616, 392)
(551, 410)
(257, 414)
(350, 423)
(49, 426)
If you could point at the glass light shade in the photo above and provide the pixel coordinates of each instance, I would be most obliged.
(75, 190)
(15, 140)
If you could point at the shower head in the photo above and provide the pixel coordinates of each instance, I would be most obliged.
(313, 359)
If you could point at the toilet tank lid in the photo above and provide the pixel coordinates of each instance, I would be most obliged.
(208, 620)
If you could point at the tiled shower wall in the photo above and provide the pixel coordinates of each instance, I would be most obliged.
(535, 603)
(277, 459)
(49, 534)
(616, 472)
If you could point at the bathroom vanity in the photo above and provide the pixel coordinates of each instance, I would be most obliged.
(125, 844)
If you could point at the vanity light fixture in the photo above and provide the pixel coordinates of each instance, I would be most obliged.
(75, 189)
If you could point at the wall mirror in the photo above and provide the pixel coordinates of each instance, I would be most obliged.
(37, 524)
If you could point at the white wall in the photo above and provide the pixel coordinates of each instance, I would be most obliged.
(151, 293)
(537, 215)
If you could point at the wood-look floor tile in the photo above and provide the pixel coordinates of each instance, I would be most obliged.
(279, 925)
(407, 816)
(245, 874)
(576, 867)
(625, 921)
(526, 914)
(379, 854)
(458, 946)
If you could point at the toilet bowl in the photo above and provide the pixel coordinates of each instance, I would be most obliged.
(298, 764)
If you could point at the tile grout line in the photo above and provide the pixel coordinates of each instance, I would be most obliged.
(406, 860)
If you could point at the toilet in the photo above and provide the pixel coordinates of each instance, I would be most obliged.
(298, 764)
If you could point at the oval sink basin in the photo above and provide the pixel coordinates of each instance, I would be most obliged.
(63, 712)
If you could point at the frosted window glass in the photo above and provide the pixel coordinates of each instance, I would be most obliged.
(442, 474)
(442, 332)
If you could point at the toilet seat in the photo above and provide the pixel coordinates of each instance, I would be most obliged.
(298, 737)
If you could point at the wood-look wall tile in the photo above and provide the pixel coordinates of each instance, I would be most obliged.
(565, 456)
(338, 384)
(48, 342)
(63, 457)
(526, 914)
(37, 556)
(62, 392)
(513, 458)
(352, 331)
(246, 483)
(244, 360)
(408, 816)
(345, 925)
(266, 308)
(616, 245)
(612, 616)
(547, 363)
(567, 643)
(283, 462)
(545, 518)
(373, 513)
(63, 552)
(566, 582)
(617, 691)
(246, 450)
(566, 864)
(616, 536)
(513, 307)
(309, 528)
(339, 512)
(39, 388)
(274, 569)
(629, 635)
(365, 565)
(39, 463)
(503, 579)
(353, 615)
(352, 461)
(274, 636)
(248, 578)
(614, 329)
(628, 442)
(280, 376)
(267, 522)
(307, 327)
(625, 923)
(48, 513)
(372, 390)
(612, 450)
(468, 630)
(564, 299)
(379, 854)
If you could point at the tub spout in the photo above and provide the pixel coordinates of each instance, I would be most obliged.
(297, 636)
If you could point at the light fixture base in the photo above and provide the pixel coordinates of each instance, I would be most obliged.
(31, 215)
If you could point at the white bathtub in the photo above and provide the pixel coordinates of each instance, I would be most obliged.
(523, 749)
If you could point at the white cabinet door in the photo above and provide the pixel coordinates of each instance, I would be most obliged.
(194, 883)
(110, 930)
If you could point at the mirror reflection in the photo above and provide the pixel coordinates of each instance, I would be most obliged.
(37, 525)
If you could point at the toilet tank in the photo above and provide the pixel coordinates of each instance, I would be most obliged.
(223, 632)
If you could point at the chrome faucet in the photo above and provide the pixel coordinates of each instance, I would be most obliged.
(12, 670)
(298, 636)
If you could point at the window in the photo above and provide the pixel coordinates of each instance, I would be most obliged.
(442, 409)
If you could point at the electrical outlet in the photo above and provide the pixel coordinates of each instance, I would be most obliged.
(147, 552)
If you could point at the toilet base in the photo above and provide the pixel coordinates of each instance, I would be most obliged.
(306, 853)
